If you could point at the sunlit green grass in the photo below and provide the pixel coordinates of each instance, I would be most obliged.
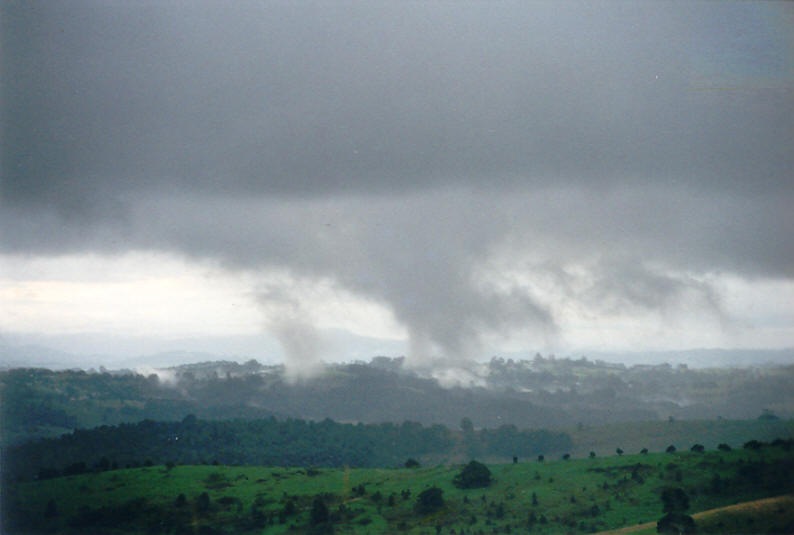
(566, 491)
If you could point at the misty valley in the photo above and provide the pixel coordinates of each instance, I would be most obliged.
(548, 445)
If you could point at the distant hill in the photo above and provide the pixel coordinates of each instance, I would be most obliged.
(539, 393)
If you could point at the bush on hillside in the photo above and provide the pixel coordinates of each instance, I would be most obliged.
(474, 475)
(429, 500)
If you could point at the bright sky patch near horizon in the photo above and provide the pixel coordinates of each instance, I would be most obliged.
(459, 177)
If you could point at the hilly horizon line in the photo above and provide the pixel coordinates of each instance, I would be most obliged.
(40, 355)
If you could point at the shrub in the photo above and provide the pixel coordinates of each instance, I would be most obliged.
(51, 511)
(474, 475)
(674, 500)
(203, 502)
(429, 500)
(319, 514)
(675, 523)
(48, 473)
(216, 480)
(675, 503)
(289, 508)
(75, 469)
(228, 501)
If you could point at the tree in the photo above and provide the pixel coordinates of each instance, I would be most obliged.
(474, 475)
(51, 511)
(319, 514)
(203, 502)
(289, 508)
(619, 451)
(48, 473)
(698, 448)
(675, 503)
(540, 458)
(429, 500)
(674, 499)
(412, 463)
(75, 469)
(670, 449)
(592, 455)
(644, 451)
(724, 447)
(676, 524)
(566, 456)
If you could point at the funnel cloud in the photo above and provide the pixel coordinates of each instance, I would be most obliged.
(522, 175)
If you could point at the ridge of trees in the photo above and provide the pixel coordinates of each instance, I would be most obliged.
(289, 442)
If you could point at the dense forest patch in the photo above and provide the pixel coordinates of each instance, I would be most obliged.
(270, 441)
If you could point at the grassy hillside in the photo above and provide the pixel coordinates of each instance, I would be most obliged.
(768, 515)
(574, 496)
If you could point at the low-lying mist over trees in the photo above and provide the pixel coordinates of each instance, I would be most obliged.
(540, 393)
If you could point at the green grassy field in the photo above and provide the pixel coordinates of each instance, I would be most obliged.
(575, 496)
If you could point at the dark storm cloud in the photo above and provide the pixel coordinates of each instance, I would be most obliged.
(313, 99)
(397, 147)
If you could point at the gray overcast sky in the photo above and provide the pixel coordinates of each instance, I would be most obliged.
(476, 175)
